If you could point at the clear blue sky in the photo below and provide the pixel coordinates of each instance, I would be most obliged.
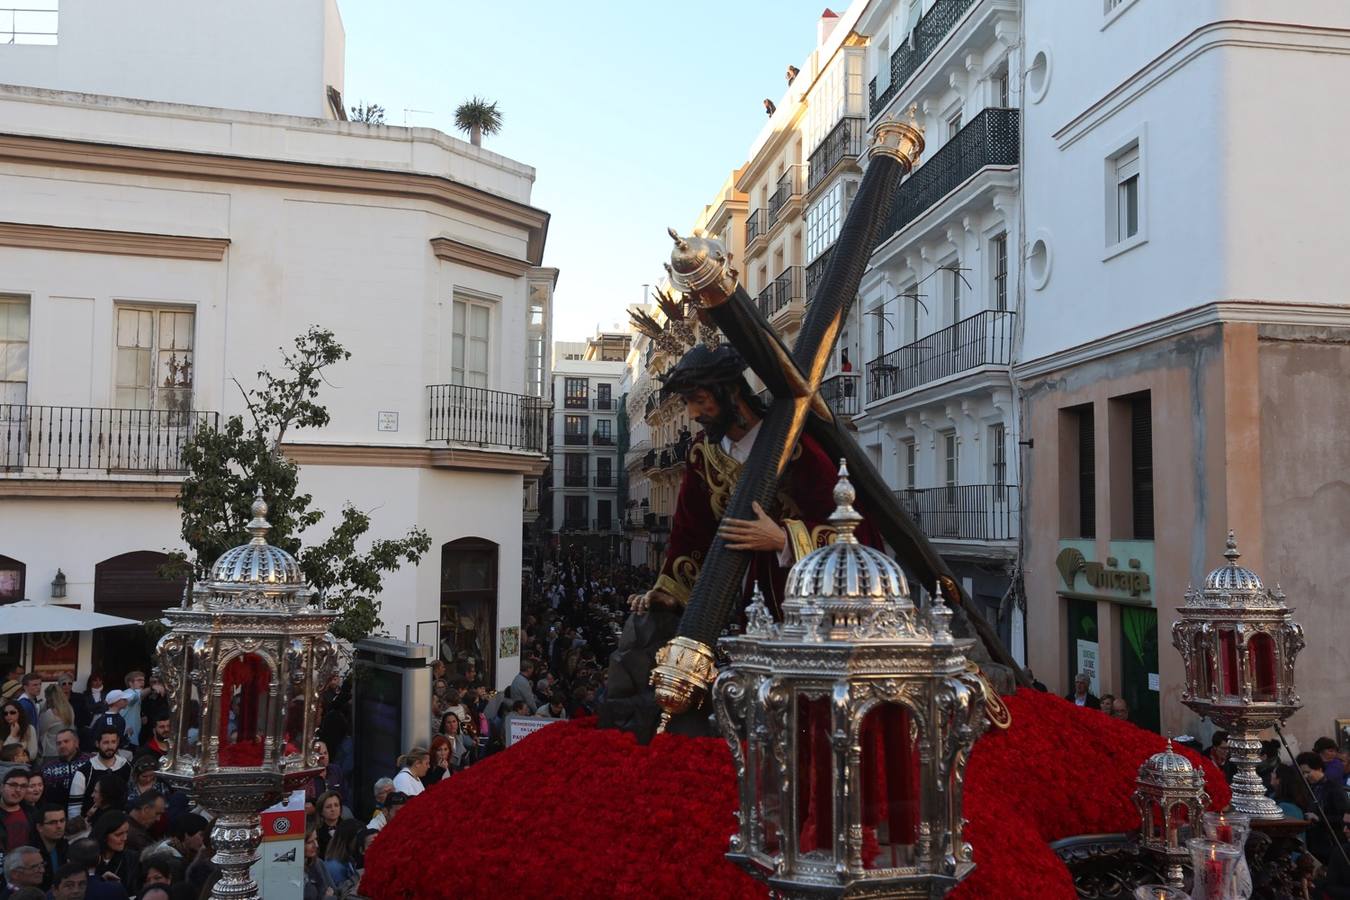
(632, 113)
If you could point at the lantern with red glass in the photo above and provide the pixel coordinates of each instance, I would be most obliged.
(1238, 641)
(1171, 798)
(849, 725)
(243, 663)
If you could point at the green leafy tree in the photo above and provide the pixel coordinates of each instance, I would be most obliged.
(478, 117)
(227, 465)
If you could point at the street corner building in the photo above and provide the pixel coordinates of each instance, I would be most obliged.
(165, 228)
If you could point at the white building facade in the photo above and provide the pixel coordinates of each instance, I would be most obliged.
(587, 462)
(153, 253)
(939, 303)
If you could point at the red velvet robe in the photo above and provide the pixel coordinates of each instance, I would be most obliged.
(806, 501)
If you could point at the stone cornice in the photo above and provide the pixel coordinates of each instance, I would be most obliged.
(88, 489)
(41, 151)
(478, 257)
(124, 243)
(403, 457)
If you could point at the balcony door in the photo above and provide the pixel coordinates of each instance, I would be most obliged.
(469, 603)
(13, 380)
(575, 512)
(152, 394)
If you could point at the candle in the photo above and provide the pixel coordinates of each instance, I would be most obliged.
(1213, 873)
(1225, 831)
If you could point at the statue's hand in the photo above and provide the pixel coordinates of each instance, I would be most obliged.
(641, 603)
(759, 533)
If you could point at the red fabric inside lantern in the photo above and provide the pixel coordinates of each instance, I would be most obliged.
(1261, 661)
(251, 675)
(1228, 663)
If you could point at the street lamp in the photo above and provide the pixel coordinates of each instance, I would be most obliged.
(849, 725)
(1238, 642)
(243, 663)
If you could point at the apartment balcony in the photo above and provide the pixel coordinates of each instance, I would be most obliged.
(604, 480)
(989, 139)
(786, 200)
(966, 512)
(756, 231)
(815, 272)
(845, 142)
(91, 442)
(574, 479)
(602, 440)
(783, 301)
(984, 339)
(577, 440)
(843, 393)
(912, 53)
(489, 419)
(649, 520)
(573, 524)
(649, 460)
(601, 404)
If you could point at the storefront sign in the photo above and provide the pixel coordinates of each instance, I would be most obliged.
(1107, 580)
(1087, 664)
(519, 727)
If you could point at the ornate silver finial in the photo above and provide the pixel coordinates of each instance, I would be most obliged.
(1231, 552)
(675, 236)
(940, 615)
(845, 518)
(259, 526)
(758, 619)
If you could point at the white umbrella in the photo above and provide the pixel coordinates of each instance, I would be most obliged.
(26, 617)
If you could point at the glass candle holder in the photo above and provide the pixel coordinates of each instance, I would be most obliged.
(1232, 828)
(1159, 892)
(1214, 867)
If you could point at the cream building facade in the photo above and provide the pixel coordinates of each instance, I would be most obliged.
(153, 253)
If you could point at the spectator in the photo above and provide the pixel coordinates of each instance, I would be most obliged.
(49, 821)
(56, 717)
(114, 858)
(158, 744)
(187, 836)
(31, 697)
(461, 745)
(344, 857)
(17, 730)
(1330, 795)
(156, 892)
(383, 788)
(441, 765)
(32, 795)
(70, 882)
(160, 868)
(318, 883)
(1120, 709)
(23, 868)
(553, 709)
(111, 719)
(412, 766)
(142, 815)
(144, 778)
(135, 694)
(1334, 768)
(103, 798)
(107, 766)
(13, 817)
(392, 804)
(330, 779)
(1081, 696)
(329, 815)
(522, 686)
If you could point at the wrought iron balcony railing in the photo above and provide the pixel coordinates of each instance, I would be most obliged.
(984, 339)
(989, 139)
(574, 524)
(815, 272)
(966, 512)
(470, 415)
(781, 291)
(752, 226)
(574, 479)
(587, 402)
(64, 439)
(913, 52)
(843, 393)
(789, 186)
(604, 480)
(602, 440)
(649, 460)
(845, 141)
(576, 440)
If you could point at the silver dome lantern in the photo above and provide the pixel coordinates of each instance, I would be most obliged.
(243, 662)
(849, 725)
(1238, 641)
(1170, 794)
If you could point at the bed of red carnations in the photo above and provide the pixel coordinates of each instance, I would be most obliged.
(576, 811)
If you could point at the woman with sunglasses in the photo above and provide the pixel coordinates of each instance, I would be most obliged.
(17, 730)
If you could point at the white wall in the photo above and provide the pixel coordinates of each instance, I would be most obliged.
(248, 54)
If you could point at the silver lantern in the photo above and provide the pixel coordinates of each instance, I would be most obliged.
(1238, 641)
(1170, 794)
(243, 663)
(849, 725)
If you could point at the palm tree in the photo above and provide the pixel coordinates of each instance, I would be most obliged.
(478, 117)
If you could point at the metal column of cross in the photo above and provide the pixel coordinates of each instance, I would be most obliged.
(684, 667)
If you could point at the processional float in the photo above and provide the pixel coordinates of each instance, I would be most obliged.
(700, 269)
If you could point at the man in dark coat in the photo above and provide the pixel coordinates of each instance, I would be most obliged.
(1080, 695)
